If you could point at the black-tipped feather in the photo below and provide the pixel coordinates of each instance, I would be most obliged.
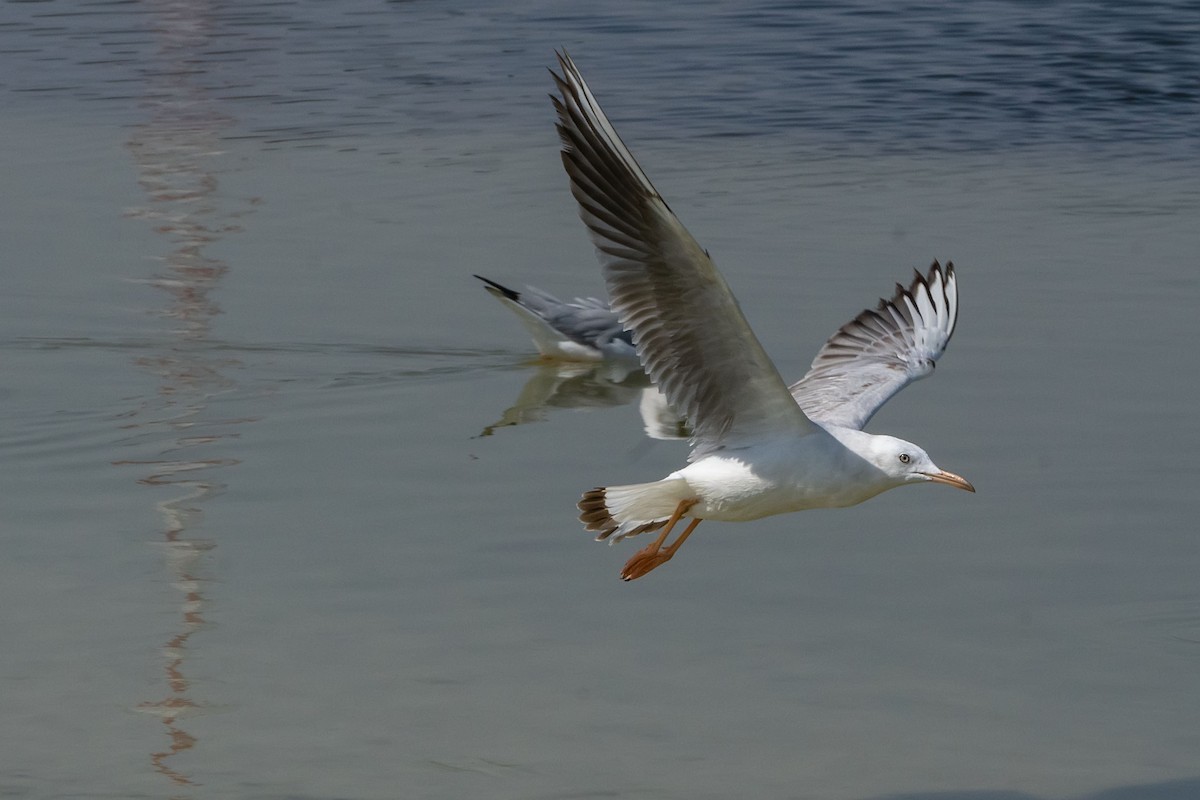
(881, 350)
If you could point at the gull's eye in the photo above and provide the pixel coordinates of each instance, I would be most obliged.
(905, 458)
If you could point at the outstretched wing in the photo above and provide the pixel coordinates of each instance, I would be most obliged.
(881, 351)
(689, 330)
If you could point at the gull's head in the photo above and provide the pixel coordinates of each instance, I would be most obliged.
(905, 462)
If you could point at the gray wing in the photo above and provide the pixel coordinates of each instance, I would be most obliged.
(688, 328)
(586, 321)
(881, 351)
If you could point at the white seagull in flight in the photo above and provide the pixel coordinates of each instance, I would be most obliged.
(758, 449)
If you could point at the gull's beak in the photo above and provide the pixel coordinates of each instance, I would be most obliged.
(950, 479)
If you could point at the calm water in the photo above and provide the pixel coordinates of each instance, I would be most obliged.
(269, 530)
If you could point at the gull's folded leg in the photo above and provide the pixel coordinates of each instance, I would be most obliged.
(654, 554)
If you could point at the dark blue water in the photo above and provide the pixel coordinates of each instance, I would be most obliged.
(907, 76)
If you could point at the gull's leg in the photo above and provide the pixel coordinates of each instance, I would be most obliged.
(670, 551)
(655, 554)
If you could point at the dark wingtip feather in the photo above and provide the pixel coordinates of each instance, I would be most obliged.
(494, 287)
(919, 282)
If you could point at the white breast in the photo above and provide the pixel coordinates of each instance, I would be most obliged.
(781, 476)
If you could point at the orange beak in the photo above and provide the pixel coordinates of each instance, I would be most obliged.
(950, 479)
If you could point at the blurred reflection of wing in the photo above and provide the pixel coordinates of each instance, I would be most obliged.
(597, 385)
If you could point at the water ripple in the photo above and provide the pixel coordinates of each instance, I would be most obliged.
(905, 76)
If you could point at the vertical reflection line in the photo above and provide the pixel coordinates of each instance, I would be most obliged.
(174, 152)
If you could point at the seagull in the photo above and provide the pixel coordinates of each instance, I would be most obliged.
(585, 330)
(758, 448)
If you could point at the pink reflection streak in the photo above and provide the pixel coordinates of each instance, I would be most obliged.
(176, 152)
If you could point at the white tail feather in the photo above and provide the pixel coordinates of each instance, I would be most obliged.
(616, 512)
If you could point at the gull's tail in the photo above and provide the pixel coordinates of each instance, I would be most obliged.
(620, 511)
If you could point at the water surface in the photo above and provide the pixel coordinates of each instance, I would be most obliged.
(258, 545)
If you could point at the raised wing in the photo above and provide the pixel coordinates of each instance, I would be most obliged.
(881, 351)
(689, 330)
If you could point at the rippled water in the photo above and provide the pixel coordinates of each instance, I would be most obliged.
(897, 76)
(288, 511)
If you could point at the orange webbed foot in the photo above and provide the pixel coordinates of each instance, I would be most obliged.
(656, 555)
(643, 561)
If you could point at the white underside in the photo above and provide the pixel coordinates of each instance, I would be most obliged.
(777, 477)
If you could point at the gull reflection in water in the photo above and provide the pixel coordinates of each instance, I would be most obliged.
(587, 361)
(579, 385)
